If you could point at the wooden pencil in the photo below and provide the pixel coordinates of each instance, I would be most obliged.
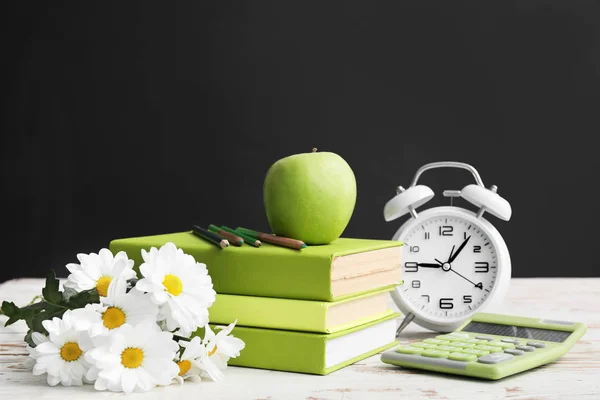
(273, 239)
(247, 239)
(231, 237)
(210, 236)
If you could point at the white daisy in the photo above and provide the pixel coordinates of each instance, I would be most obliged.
(219, 349)
(179, 284)
(98, 270)
(119, 307)
(62, 356)
(190, 365)
(133, 358)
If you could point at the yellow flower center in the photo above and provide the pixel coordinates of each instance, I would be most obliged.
(213, 351)
(184, 366)
(102, 285)
(113, 317)
(132, 357)
(173, 284)
(70, 351)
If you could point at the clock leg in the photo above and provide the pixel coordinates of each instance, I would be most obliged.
(407, 320)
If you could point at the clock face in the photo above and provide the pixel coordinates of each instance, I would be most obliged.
(449, 267)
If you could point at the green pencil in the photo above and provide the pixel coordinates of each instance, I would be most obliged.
(248, 239)
(232, 237)
(276, 240)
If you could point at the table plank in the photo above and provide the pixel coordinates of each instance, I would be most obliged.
(576, 375)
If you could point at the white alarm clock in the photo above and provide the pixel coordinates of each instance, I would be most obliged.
(454, 261)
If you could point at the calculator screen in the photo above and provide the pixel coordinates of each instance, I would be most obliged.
(517, 331)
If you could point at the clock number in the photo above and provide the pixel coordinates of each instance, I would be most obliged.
(411, 267)
(446, 303)
(426, 235)
(426, 295)
(446, 230)
(476, 249)
(465, 236)
(482, 267)
(416, 284)
(414, 249)
(467, 299)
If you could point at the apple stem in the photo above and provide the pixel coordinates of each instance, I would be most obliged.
(314, 150)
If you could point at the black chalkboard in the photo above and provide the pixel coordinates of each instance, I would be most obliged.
(126, 119)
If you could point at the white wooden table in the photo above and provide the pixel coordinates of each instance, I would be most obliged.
(575, 376)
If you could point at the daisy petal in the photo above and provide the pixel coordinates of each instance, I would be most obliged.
(53, 380)
(47, 348)
(129, 380)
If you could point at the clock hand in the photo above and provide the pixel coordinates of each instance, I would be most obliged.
(428, 265)
(478, 285)
(441, 263)
(462, 246)
(451, 251)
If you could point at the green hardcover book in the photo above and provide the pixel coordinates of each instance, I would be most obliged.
(313, 353)
(330, 272)
(301, 315)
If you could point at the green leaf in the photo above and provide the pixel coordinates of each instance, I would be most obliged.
(50, 311)
(9, 308)
(81, 299)
(50, 291)
(36, 323)
(11, 311)
(53, 305)
(27, 313)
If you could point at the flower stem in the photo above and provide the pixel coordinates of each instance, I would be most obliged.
(177, 337)
(58, 305)
(38, 297)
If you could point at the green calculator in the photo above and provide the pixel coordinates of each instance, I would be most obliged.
(491, 346)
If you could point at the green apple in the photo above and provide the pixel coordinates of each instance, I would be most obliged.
(310, 196)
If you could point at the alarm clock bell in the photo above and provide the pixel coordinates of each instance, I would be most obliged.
(407, 200)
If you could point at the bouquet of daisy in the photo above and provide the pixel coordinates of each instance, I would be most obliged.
(127, 332)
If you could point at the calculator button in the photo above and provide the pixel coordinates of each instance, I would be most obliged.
(460, 334)
(502, 344)
(435, 353)
(489, 339)
(526, 348)
(475, 341)
(409, 350)
(513, 341)
(461, 344)
(436, 341)
(420, 360)
(446, 348)
(514, 352)
(462, 357)
(423, 345)
(491, 349)
(449, 337)
(476, 352)
(495, 358)
(538, 345)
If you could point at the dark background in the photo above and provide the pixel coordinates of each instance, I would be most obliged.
(124, 119)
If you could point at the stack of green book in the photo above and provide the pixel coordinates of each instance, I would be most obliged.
(314, 310)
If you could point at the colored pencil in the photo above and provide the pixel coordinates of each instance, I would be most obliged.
(248, 239)
(273, 239)
(210, 237)
(231, 237)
